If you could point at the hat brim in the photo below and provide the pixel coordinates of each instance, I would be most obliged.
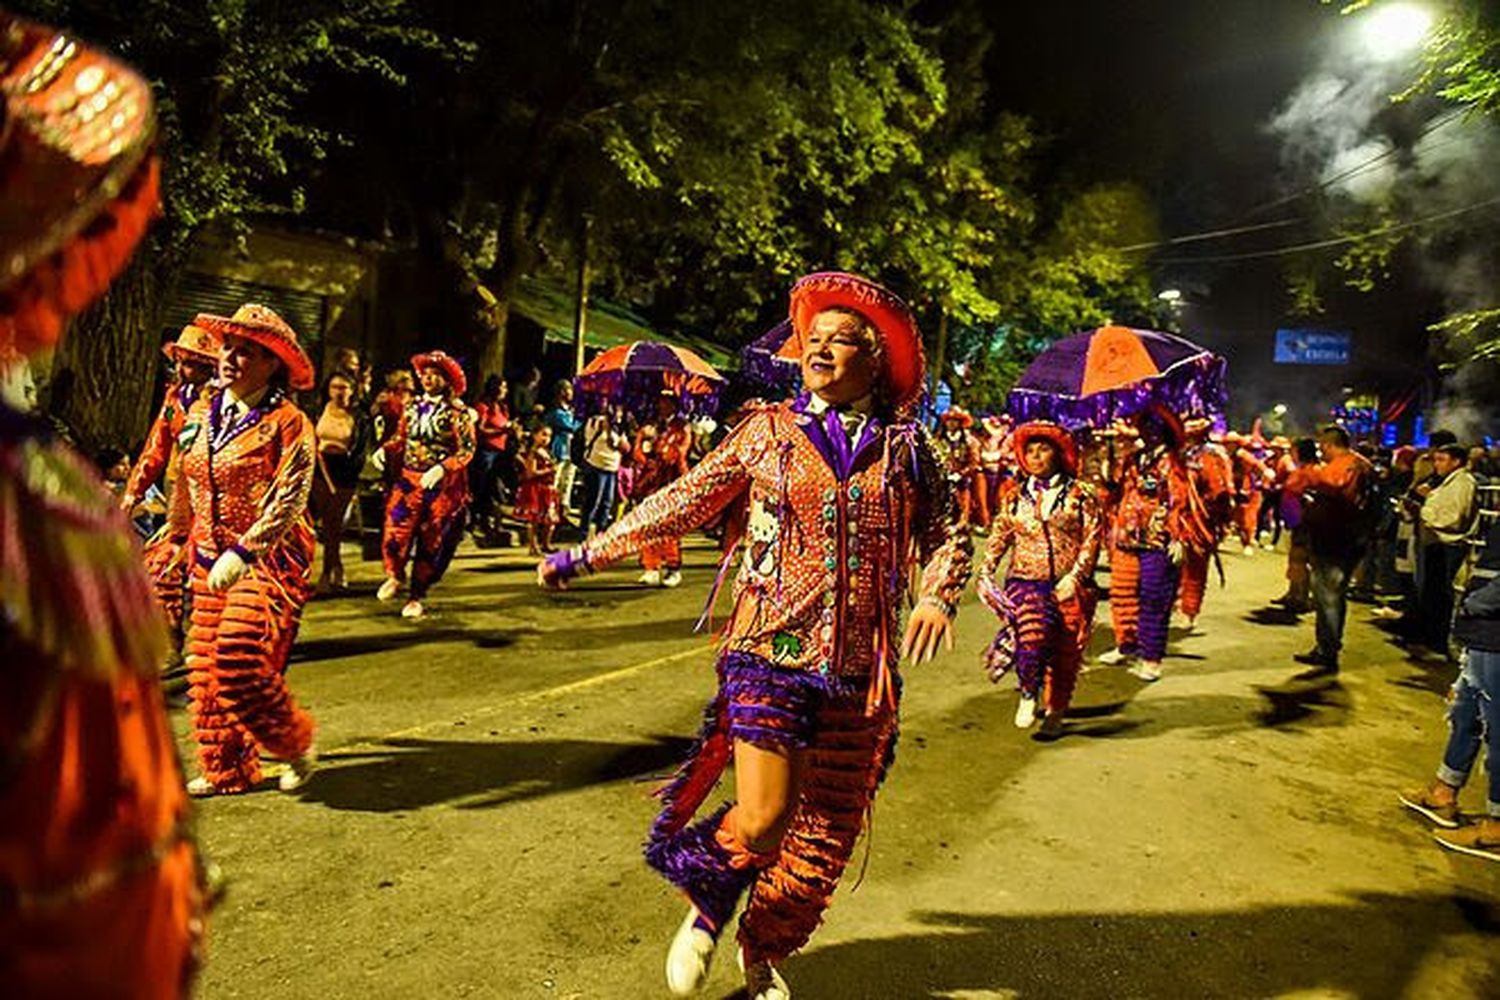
(901, 342)
(1055, 434)
(300, 373)
(451, 369)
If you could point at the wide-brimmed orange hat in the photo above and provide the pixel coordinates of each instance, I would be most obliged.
(261, 324)
(1058, 435)
(78, 183)
(958, 415)
(445, 363)
(901, 343)
(196, 342)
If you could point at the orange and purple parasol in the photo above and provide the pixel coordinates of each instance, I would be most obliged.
(1091, 379)
(633, 375)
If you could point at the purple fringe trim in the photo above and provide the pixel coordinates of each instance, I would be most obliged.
(1196, 387)
(694, 861)
(637, 391)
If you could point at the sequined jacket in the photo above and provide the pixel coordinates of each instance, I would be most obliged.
(250, 492)
(160, 453)
(433, 432)
(1159, 504)
(1045, 541)
(1213, 475)
(834, 534)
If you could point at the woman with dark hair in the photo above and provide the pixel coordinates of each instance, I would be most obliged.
(342, 433)
(492, 446)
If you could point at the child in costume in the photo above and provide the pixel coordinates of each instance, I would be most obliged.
(101, 891)
(537, 501)
(961, 460)
(994, 464)
(1250, 478)
(1159, 518)
(240, 511)
(427, 506)
(1049, 523)
(845, 500)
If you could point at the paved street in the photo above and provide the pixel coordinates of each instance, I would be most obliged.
(475, 831)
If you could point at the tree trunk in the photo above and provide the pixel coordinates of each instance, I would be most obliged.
(113, 353)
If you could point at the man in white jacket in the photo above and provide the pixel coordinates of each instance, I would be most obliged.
(1447, 516)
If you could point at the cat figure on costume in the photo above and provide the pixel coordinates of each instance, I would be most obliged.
(1049, 523)
(428, 503)
(846, 499)
(240, 513)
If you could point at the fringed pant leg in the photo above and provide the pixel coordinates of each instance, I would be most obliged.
(405, 505)
(1124, 597)
(438, 533)
(227, 754)
(167, 565)
(1038, 620)
(842, 770)
(1158, 588)
(663, 555)
(1247, 518)
(1069, 639)
(1194, 582)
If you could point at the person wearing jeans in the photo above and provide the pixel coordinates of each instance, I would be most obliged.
(1473, 718)
(604, 447)
(1334, 502)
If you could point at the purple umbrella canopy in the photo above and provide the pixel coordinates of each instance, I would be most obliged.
(1091, 379)
(633, 375)
(768, 361)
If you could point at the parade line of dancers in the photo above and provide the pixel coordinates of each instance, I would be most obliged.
(858, 526)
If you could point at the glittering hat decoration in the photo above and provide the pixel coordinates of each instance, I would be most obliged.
(261, 324)
(901, 342)
(78, 183)
(445, 363)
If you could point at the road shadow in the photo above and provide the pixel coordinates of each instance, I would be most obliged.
(1371, 946)
(1304, 704)
(1272, 615)
(340, 647)
(408, 773)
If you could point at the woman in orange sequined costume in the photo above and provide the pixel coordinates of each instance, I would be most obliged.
(101, 893)
(195, 357)
(1049, 523)
(428, 504)
(1213, 476)
(660, 457)
(241, 512)
(845, 500)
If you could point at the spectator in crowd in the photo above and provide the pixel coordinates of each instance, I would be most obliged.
(343, 439)
(563, 423)
(1473, 716)
(1447, 515)
(525, 401)
(495, 449)
(147, 514)
(1399, 532)
(1298, 596)
(604, 446)
(1336, 510)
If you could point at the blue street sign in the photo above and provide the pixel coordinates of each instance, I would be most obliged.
(1312, 347)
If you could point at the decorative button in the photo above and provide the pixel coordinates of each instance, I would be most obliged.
(855, 492)
(854, 562)
(831, 563)
(828, 598)
(825, 667)
(827, 633)
(830, 512)
(830, 495)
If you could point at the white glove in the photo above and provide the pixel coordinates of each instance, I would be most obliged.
(1066, 587)
(1176, 552)
(228, 568)
(378, 459)
(432, 477)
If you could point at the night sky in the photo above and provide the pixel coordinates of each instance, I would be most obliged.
(1176, 96)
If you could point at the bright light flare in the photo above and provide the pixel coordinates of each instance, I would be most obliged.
(1392, 30)
(1170, 295)
(1279, 409)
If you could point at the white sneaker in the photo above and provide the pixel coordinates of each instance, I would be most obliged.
(388, 589)
(413, 609)
(298, 771)
(1113, 658)
(688, 957)
(1148, 672)
(673, 578)
(651, 578)
(200, 787)
(1249, 550)
(1026, 711)
(763, 982)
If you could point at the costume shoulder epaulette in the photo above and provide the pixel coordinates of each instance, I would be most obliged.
(72, 583)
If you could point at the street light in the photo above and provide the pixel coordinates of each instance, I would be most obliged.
(1172, 295)
(1279, 409)
(1392, 30)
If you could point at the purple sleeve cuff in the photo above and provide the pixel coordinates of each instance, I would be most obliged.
(243, 553)
(569, 563)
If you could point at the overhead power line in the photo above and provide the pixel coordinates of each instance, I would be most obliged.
(1336, 241)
